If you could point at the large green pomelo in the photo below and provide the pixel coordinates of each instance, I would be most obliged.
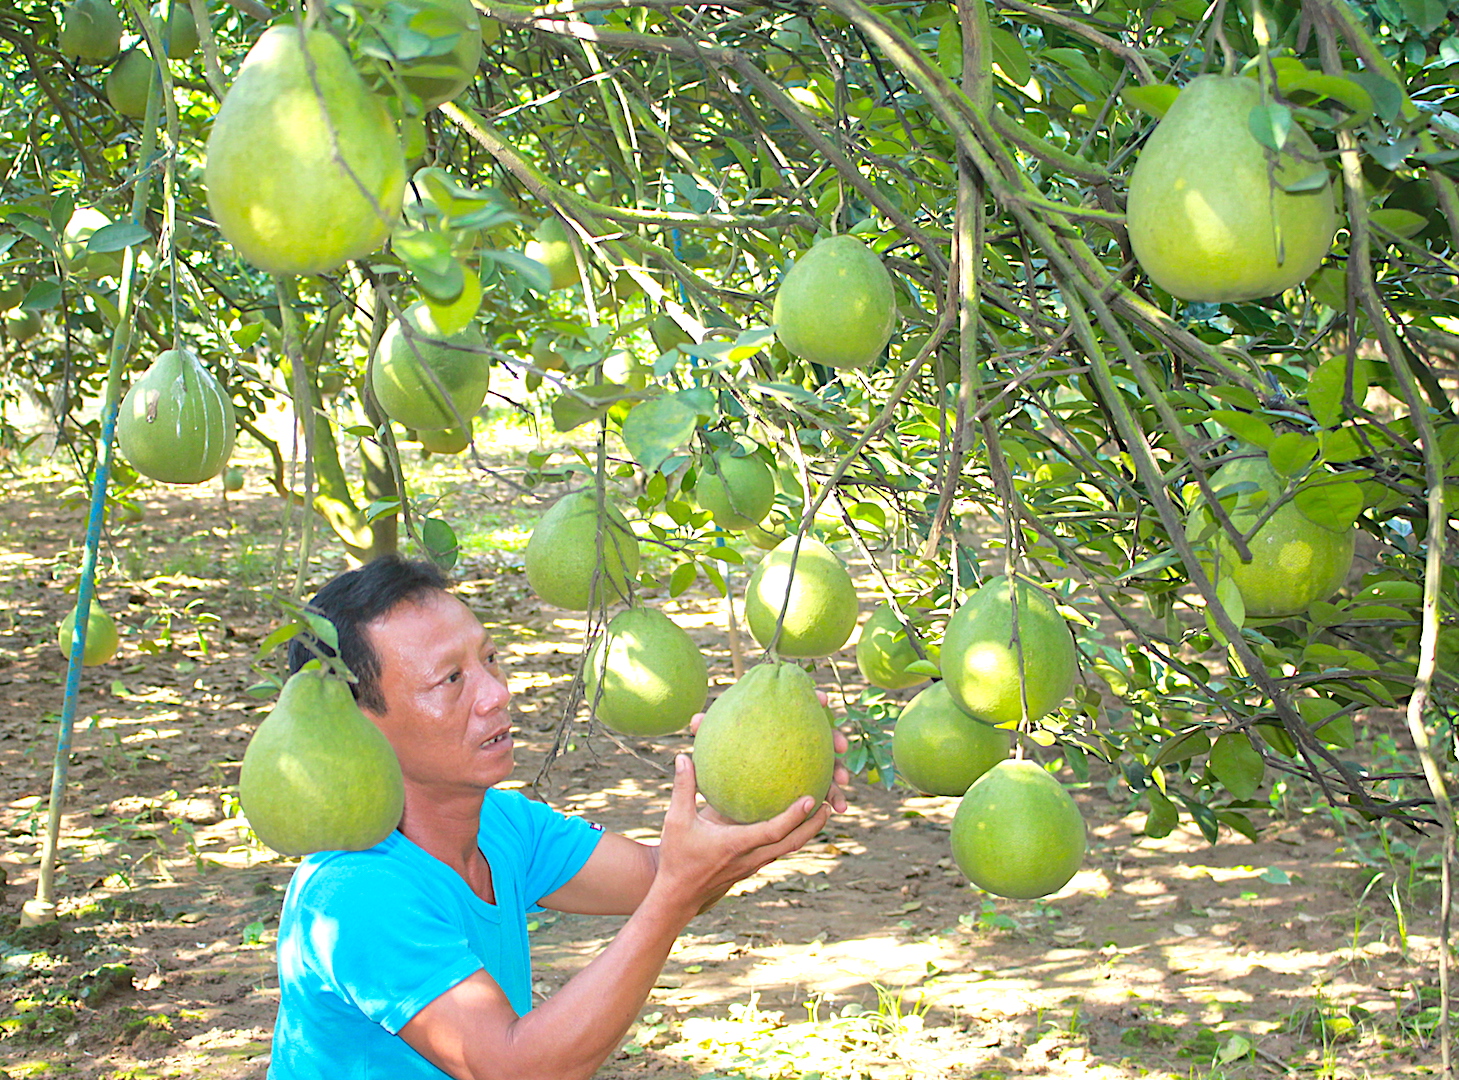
(176, 423)
(551, 247)
(404, 364)
(102, 639)
(440, 78)
(275, 187)
(763, 744)
(737, 491)
(562, 553)
(1207, 214)
(821, 612)
(317, 775)
(836, 305)
(981, 663)
(127, 83)
(445, 441)
(653, 676)
(939, 749)
(91, 30)
(22, 325)
(180, 31)
(1017, 832)
(1294, 560)
(883, 651)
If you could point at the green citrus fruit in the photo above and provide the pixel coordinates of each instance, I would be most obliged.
(822, 606)
(836, 305)
(411, 371)
(317, 774)
(1017, 832)
(101, 636)
(233, 478)
(939, 749)
(441, 77)
(1208, 215)
(22, 325)
(653, 677)
(86, 221)
(737, 491)
(562, 554)
(980, 660)
(275, 185)
(128, 81)
(1294, 560)
(883, 652)
(546, 357)
(180, 31)
(551, 247)
(624, 369)
(763, 744)
(765, 539)
(445, 441)
(91, 30)
(176, 422)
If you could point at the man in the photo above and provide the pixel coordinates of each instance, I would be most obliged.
(411, 959)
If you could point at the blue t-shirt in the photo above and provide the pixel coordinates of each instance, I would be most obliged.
(369, 938)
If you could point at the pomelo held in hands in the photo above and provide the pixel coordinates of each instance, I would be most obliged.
(176, 423)
(317, 774)
(763, 744)
(652, 675)
(836, 305)
(1208, 213)
(1017, 832)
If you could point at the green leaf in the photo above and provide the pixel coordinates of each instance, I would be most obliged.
(1232, 600)
(682, 577)
(1404, 223)
(1238, 822)
(428, 254)
(61, 211)
(1155, 100)
(322, 629)
(537, 275)
(1349, 93)
(245, 336)
(42, 296)
(1246, 427)
(1275, 875)
(1326, 387)
(1270, 124)
(924, 667)
(116, 236)
(1010, 58)
(655, 428)
(381, 507)
(950, 49)
(1236, 763)
(455, 315)
(439, 541)
(277, 637)
(1233, 1049)
(570, 411)
(1315, 180)
(1277, 738)
(1204, 816)
(1182, 748)
(1163, 816)
(1333, 504)
(1291, 452)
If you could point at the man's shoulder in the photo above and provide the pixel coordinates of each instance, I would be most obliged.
(387, 864)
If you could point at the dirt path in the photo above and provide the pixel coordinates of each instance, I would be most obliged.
(867, 955)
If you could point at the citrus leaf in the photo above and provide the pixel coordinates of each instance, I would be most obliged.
(456, 315)
(1163, 816)
(1328, 384)
(537, 275)
(1313, 181)
(1204, 816)
(1010, 58)
(1245, 426)
(923, 667)
(655, 428)
(1404, 223)
(1270, 124)
(1237, 765)
(1238, 822)
(1277, 738)
(1182, 748)
(1155, 100)
(1291, 452)
(439, 541)
(1335, 505)
(1347, 92)
(1232, 600)
(116, 236)
(682, 577)
(43, 296)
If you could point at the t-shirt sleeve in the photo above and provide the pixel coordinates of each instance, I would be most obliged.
(380, 943)
(556, 845)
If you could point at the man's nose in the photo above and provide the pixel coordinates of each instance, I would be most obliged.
(494, 693)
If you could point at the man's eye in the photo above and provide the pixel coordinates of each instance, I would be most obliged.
(455, 676)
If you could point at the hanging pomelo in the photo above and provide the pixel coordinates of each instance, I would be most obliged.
(1208, 214)
(446, 441)
(822, 606)
(1294, 559)
(317, 774)
(653, 677)
(90, 30)
(836, 305)
(763, 744)
(275, 187)
(939, 749)
(883, 651)
(562, 553)
(127, 83)
(551, 247)
(405, 363)
(177, 26)
(101, 635)
(441, 77)
(737, 491)
(1017, 832)
(176, 423)
(981, 662)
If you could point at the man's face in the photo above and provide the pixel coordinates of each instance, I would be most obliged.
(445, 697)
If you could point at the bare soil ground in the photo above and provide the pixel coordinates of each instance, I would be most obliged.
(1311, 952)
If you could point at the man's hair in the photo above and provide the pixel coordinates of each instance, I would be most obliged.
(356, 598)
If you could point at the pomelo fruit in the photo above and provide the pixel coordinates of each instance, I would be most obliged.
(1294, 560)
(550, 246)
(90, 30)
(176, 423)
(822, 607)
(1207, 214)
(11, 294)
(446, 441)
(1017, 832)
(737, 491)
(653, 677)
(101, 635)
(317, 774)
(546, 357)
(22, 325)
(128, 81)
(274, 185)
(233, 478)
(405, 363)
(939, 749)
(836, 305)
(177, 26)
(883, 652)
(765, 539)
(441, 77)
(763, 744)
(981, 664)
(562, 553)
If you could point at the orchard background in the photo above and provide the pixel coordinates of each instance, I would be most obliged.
(1041, 405)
